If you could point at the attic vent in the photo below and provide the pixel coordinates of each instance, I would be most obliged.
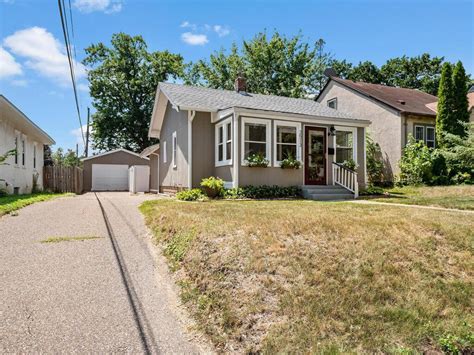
(402, 102)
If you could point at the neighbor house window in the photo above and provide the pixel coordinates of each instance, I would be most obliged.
(34, 156)
(23, 150)
(345, 140)
(286, 141)
(255, 138)
(332, 103)
(224, 143)
(425, 134)
(164, 153)
(175, 149)
(16, 149)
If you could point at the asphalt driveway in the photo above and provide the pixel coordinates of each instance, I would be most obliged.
(109, 294)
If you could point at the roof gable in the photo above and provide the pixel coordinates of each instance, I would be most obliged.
(114, 151)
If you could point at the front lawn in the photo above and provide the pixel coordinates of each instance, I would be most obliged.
(12, 203)
(459, 196)
(305, 276)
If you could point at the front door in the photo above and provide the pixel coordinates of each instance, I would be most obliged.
(315, 156)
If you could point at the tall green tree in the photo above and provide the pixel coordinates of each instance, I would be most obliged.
(446, 116)
(123, 80)
(367, 72)
(278, 65)
(461, 103)
(421, 72)
(65, 159)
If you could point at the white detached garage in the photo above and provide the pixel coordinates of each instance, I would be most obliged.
(110, 171)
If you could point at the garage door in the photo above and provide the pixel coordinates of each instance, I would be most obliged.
(109, 177)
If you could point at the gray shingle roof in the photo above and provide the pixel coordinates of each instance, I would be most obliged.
(197, 97)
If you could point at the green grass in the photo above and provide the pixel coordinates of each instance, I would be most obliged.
(68, 239)
(12, 203)
(457, 197)
(312, 277)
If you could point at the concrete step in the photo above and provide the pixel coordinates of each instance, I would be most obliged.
(326, 193)
(331, 197)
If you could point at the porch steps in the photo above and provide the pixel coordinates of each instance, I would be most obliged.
(326, 193)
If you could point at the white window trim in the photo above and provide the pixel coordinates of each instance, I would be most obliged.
(423, 139)
(174, 143)
(165, 158)
(24, 142)
(268, 137)
(225, 140)
(297, 125)
(334, 99)
(354, 141)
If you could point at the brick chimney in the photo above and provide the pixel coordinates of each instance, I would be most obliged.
(240, 84)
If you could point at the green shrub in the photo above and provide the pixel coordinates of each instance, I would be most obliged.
(349, 164)
(290, 162)
(374, 162)
(263, 191)
(257, 160)
(213, 186)
(415, 164)
(190, 195)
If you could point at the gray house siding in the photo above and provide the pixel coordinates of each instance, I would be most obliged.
(170, 176)
(154, 162)
(203, 147)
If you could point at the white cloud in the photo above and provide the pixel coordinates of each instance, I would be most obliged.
(78, 138)
(8, 65)
(44, 54)
(83, 87)
(106, 6)
(19, 82)
(194, 39)
(187, 24)
(221, 31)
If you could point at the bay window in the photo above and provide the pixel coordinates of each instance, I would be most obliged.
(345, 145)
(224, 143)
(255, 138)
(286, 141)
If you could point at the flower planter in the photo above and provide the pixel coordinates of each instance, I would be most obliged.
(210, 192)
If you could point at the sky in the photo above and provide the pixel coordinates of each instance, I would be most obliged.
(34, 72)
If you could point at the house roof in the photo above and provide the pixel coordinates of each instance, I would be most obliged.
(150, 150)
(112, 152)
(8, 109)
(404, 100)
(213, 100)
(470, 97)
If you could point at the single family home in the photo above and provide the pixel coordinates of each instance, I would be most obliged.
(395, 113)
(209, 132)
(24, 169)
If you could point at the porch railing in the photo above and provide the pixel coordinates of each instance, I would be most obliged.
(346, 178)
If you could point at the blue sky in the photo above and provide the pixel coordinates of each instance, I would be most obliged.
(33, 67)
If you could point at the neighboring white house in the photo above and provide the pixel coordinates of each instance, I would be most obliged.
(18, 132)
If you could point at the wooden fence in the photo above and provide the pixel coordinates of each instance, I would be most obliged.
(63, 179)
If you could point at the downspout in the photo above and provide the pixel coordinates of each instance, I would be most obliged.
(191, 115)
(235, 182)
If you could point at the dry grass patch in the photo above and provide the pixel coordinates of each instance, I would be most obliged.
(458, 197)
(299, 276)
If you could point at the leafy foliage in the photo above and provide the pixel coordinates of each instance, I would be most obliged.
(257, 160)
(5, 156)
(349, 164)
(213, 186)
(123, 80)
(263, 191)
(290, 162)
(416, 163)
(190, 195)
(277, 65)
(374, 162)
(460, 100)
(65, 159)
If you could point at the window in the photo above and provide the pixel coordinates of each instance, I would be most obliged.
(425, 134)
(16, 149)
(430, 137)
(332, 103)
(345, 140)
(34, 156)
(286, 141)
(175, 149)
(164, 153)
(23, 152)
(224, 143)
(420, 133)
(255, 138)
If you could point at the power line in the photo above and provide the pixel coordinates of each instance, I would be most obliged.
(71, 67)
